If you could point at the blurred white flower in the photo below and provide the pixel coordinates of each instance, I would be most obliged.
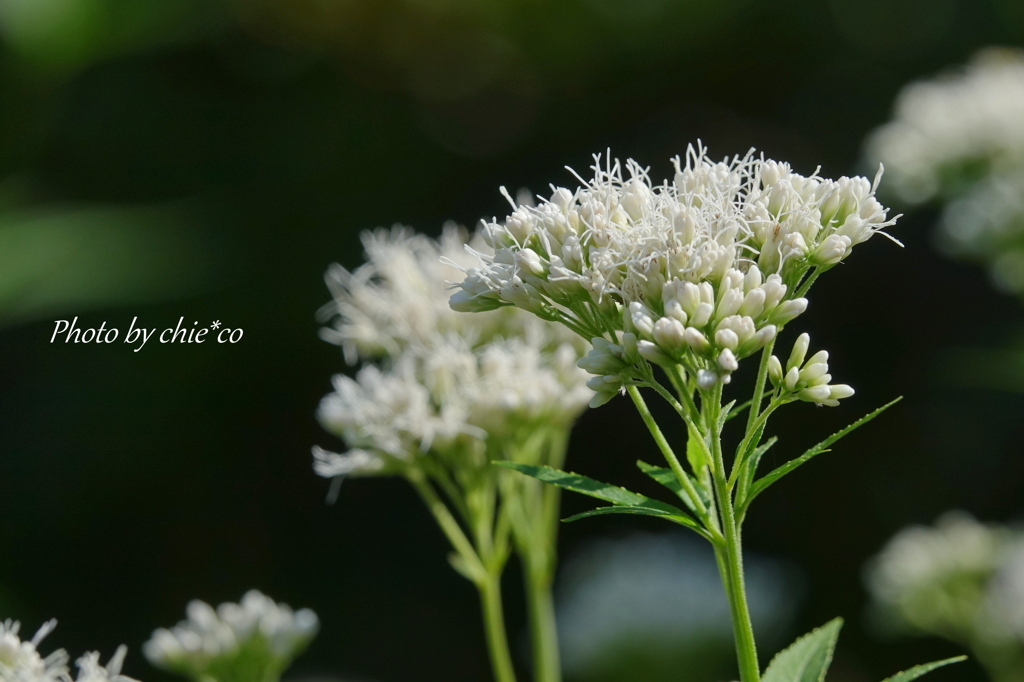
(253, 640)
(90, 669)
(955, 128)
(447, 381)
(703, 270)
(20, 661)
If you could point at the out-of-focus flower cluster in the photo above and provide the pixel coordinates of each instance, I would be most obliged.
(20, 661)
(445, 382)
(959, 579)
(959, 137)
(701, 271)
(252, 641)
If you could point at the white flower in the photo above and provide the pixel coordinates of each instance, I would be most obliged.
(708, 262)
(447, 382)
(90, 670)
(806, 380)
(957, 125)
(20, 661)
(257, 634)
(934, 577)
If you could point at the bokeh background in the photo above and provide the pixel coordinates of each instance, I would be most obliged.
(208, 159)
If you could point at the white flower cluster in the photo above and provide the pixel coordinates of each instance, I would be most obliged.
(806, 380)
(701, 271)
(960, 137)
(257, 634)
(447, 377)
(964, 123)
(20, 661)
(959, 579)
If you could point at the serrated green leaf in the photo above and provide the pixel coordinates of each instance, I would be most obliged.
(622, 498)
(807, 659)
(680, 518)
(762, 483)
(588, 486)
(924, 668)
(667, 478)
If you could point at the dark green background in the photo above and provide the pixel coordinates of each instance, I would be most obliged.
(209, 160)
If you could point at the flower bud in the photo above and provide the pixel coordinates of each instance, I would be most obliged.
(775, 370)
(839, 391)
(696, 340)
(787, 311)
(528, 260)
(815, 394)
(727, 338)
(706, 379)
(830, 251)
(674, 310)
(813, 372)
(753, 303)
(641, 319)
(652, 353)
(702, 315)
(792, 376)
(796, 357)
(670, 334)
(727, 361)
(730, 304)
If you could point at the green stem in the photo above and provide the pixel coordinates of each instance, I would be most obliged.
(494, 624)
(543, 630)
(670, 457)
(730, 551)
(762, 376)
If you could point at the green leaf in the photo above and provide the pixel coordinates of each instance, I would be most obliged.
(761, 484)
(588, 486)
(924, 668)
(681, 519)
(624, 500)
(807, 659)
(667, 478)
(694, 452)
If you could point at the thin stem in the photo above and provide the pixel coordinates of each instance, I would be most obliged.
(494, 624)
(762, 377)
(449, 526)
(543, 630)
(670, 457)
(730, 551)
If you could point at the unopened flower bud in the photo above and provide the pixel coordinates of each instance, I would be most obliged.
(753, 302)
(815, 394)
(839, 391)
(796, 358)
(792, 376)
(528, 260)
(727, 338)
(674, 310)
(727, 361)
(775, 370)
(702, 315)
(813, 372)
(670, 334)
(706, 379)
(652, 353)
(787, 311)
(830, 251)
(641, 319)
(696, 340)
